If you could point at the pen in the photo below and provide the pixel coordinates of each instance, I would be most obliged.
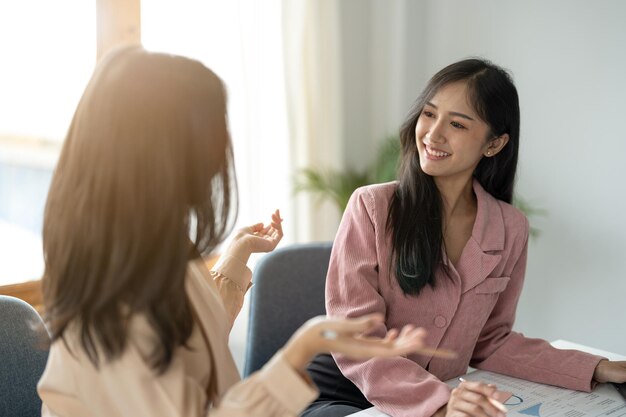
(493, 402)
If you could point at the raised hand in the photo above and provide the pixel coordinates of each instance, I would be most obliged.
(260, 238)
(345, 336)
(257, 238)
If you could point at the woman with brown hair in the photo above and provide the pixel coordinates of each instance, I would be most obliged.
(144, 188)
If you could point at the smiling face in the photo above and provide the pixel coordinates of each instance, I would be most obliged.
(450, 136)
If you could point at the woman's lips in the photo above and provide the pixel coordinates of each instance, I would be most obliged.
(435, 154)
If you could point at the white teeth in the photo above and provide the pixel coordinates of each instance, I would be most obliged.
(437, 153)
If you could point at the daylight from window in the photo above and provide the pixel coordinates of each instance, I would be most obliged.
(48, 52)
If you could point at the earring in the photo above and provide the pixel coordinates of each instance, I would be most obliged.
(488, 153)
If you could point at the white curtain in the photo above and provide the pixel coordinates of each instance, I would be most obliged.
(241, 41)
(313, 61)
(353, 68)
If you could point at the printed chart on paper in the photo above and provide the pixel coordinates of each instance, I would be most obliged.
(538, 400)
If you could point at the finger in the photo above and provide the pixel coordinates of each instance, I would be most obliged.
(276, 231)
(471, 409)
(391, 335)
(391, 338)
(408, 335)
(406, 330)
(410, 344)
(390, 345)
(366, 341)
(406, 338)
(479, 387)
(273, 235)
(420, 331)
(358, 348)
(490, 406)
(278, 226)
(255, 227)
(416, 334)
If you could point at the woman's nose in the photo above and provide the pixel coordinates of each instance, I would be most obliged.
(435, 133)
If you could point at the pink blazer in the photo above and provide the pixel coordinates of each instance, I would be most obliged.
(471, 311)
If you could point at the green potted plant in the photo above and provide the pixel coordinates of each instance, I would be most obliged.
(338, 186)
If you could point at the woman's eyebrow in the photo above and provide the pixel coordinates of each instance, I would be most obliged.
(453, 113)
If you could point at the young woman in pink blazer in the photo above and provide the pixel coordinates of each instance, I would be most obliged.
(143, 189)
(443, 249)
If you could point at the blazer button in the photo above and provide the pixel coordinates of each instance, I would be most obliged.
(440, 321)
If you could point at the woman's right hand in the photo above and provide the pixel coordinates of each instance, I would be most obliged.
(345, 336)
(474, 399)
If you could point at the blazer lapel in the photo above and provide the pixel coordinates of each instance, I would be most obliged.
(478, 259)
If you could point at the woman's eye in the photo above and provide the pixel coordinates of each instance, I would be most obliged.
(428, 113)
(457, 125)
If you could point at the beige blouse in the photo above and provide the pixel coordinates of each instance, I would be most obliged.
(71, 386)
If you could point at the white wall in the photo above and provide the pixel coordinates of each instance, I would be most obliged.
(568, 59)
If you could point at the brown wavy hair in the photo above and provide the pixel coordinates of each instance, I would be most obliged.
(144, 184)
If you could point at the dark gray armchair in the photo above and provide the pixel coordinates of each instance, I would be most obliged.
(23, 357)
(288, 290)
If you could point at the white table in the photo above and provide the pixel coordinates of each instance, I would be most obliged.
(561, 344)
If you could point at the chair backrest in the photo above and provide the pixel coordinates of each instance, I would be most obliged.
(22, 358)
(288, 290)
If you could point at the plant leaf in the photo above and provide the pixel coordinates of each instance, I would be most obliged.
(386, 165)
(331, 185)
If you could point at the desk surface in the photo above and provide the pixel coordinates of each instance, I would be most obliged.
(561, 344)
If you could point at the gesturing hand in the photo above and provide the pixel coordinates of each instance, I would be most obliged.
(345, 336)
(259, 238)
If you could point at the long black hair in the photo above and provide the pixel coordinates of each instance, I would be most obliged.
(415, 214)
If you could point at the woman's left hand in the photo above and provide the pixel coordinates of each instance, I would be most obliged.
(259, 238)
(610, 371)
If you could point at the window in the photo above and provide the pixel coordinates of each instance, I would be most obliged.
(48, 52)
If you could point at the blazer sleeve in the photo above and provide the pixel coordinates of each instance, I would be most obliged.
(233, 279)
(499, 349)
(397, 386)
(127, 387)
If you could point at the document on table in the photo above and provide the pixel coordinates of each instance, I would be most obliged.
(539, 400)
